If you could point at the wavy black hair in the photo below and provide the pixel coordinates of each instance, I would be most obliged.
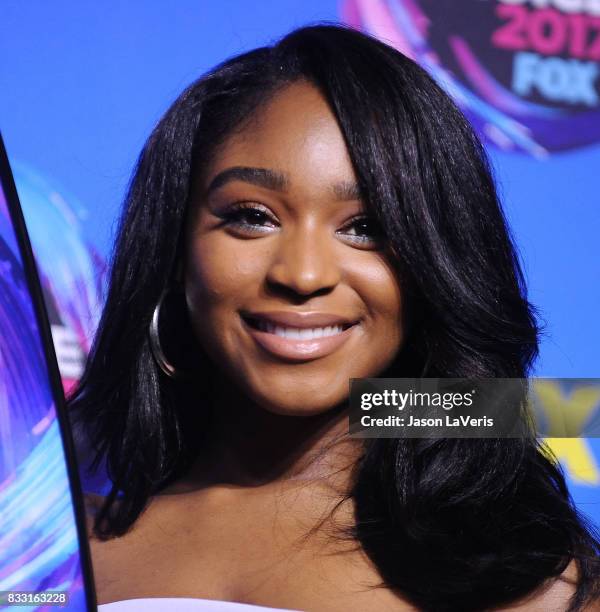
(452, 524)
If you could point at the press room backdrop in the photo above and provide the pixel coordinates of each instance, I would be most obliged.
(83, 83)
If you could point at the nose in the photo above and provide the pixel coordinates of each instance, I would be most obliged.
(305, 260)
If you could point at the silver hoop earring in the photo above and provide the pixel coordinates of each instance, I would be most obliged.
(156, 346)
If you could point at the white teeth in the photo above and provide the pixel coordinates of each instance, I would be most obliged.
(295, 333)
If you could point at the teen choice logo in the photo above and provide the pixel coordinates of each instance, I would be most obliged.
(526, 72)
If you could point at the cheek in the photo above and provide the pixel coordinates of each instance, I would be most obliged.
(219, 279)
(380, 290)
(218, 273)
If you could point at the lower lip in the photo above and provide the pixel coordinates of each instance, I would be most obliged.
(299, 350)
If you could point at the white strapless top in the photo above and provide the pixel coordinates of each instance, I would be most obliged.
(183, 604)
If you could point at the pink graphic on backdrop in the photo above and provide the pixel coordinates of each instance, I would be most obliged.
(528, 77)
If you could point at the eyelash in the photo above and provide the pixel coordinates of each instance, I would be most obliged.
(232, 218)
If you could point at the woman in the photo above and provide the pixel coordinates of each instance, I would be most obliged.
(325, 183)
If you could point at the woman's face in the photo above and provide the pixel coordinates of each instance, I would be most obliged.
(286, 282)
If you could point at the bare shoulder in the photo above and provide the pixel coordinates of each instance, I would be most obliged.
(554, 596)
(120, 564)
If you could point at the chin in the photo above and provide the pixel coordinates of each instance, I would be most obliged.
(301, 405)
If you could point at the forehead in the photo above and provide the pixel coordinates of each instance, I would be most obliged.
(295, 133)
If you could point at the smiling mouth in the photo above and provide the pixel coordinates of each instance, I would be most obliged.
(298, 344)
(296, 333)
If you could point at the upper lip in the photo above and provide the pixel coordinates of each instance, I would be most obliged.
(300, 319)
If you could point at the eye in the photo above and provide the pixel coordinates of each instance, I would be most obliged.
(248, 218)
(364, 230)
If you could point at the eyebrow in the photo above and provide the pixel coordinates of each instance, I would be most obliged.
(275, 181)
(346, 191)
(270, 179)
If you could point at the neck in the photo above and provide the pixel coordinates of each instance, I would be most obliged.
(249, 446)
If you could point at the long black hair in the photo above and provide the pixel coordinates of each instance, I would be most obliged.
(452, 524)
